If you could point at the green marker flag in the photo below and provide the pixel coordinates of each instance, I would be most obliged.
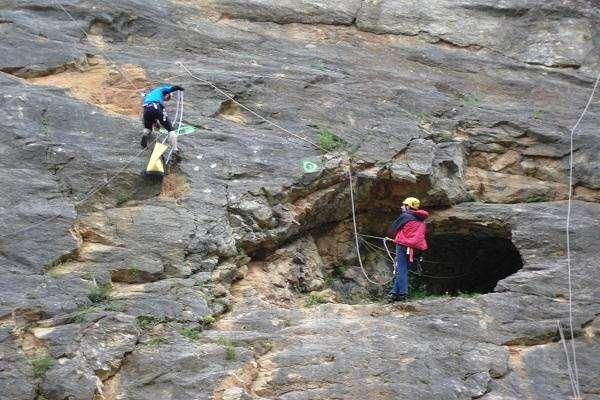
(309, 167)
(184, 130)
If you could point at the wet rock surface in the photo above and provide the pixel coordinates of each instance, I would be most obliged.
(237, 278)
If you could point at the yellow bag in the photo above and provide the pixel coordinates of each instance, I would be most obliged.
(156, 165)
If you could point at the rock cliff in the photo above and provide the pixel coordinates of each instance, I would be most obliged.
(236, 276)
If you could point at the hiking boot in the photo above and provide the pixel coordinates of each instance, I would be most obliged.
(175, 156)
(392, 297)
(147, 140)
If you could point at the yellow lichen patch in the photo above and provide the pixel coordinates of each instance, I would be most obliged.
(174, 186)
(102, 85)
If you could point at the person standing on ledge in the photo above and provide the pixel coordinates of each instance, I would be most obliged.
(408, 231)
(154, 111)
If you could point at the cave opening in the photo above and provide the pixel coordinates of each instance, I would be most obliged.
(465, 259)
(467, 255)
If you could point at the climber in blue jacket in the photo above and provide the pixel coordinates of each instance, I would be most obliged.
(154, 111)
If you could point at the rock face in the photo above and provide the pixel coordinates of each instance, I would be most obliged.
(236, 277)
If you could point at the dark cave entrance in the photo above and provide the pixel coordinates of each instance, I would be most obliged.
(469, 259)
(464, 258)
(467, 254)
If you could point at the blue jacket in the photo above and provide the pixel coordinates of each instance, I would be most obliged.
(157, 94)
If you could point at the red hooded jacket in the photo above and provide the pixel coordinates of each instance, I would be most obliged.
(410, 229)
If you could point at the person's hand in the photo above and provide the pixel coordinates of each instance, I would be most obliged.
(176, 87)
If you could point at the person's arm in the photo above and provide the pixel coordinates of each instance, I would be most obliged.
(170, 89)
(398, 223)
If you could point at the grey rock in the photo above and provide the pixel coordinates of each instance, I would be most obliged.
(305, 11)
(70, 378)
(471, 92)
(16, 373)
(178, 299)
(175, 368)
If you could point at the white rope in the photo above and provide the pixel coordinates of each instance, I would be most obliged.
(385, 240)
(178, 63)
(568, 224)
(569, 367)
(177, 107)
(360, 263)
(180, 113)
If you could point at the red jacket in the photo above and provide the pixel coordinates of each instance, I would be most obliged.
(411, 229)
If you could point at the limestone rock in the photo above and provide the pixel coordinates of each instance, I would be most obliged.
(455, 102)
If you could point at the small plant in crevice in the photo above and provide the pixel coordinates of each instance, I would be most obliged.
(229, 348)
(191, 333)
(146, 322)
(99, 293)
(314, 299)
(208, 321)
(417, 289)
(418, 294)
(537, 199)
(339, 270)
(121, 198)
(41, 365)
(537, 114)
(329, 141)
(337, 273)
(135, 273)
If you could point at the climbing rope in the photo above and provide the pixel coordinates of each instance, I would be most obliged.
(99, 187)
(575, 371)
(179, 113)
(360, 263)
(570, 369)
(217, 89)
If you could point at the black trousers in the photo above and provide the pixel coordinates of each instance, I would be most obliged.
(156, 112)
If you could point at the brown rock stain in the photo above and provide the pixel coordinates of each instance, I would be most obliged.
(515, 361)
(231, 111)
(243, 379)
(174, 186)
(102, 85)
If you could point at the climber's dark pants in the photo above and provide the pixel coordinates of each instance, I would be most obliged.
(156, 112)
(401, 281)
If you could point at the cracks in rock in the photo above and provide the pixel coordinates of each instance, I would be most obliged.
(532, 341)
